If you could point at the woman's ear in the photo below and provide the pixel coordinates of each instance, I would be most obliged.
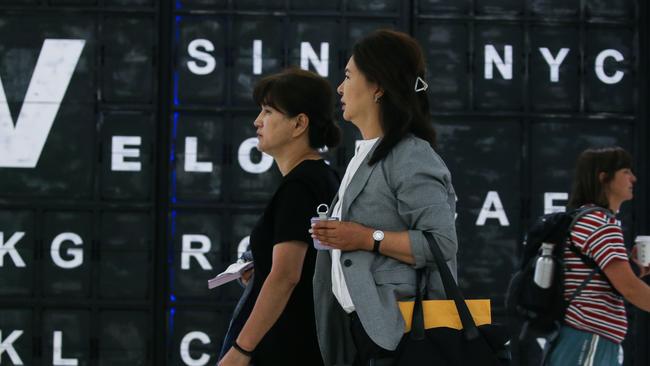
(302, 122)
(601, 177)
(379, 92)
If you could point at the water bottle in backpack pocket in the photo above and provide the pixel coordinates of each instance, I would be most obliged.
(536, 291)
(544, 266)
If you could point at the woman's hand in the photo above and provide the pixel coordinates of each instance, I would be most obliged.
(246, 276)
(343, 235)
(643, 271)
(234, 358)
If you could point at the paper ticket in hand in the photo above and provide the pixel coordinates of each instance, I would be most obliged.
(233, 272)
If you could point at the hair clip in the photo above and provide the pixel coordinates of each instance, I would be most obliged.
(422, 85)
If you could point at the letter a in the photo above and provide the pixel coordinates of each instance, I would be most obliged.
(492, 209)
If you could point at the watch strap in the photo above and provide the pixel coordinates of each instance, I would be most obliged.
(375, 247)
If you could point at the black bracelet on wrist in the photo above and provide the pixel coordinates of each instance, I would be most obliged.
(241, 350)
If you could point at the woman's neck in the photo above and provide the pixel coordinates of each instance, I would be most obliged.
(291, 157)
(370, 128)
(615, 205)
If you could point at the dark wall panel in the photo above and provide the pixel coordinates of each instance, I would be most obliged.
(446, 45)
(127, 156)
(253, 61)
(557, 87)
(19, 266)
(198, 157)
(128, 60)
(485, 175)
(497, 89)
(202, 80)
(125, 256)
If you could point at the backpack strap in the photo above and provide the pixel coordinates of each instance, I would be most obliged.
(579, 213)
(582, 285)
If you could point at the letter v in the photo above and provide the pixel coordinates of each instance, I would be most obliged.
(21, 146)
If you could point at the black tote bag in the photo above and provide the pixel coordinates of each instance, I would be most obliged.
(484, 345)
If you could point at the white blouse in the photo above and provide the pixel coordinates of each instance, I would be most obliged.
(339, 288)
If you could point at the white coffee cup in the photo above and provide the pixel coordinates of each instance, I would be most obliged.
(317, 244)
(642, 243)
(322, 211)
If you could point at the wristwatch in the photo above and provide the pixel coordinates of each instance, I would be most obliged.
(378, 236)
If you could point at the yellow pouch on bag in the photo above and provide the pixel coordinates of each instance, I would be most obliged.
(443, 313)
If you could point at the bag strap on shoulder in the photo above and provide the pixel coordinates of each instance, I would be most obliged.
(578, 214)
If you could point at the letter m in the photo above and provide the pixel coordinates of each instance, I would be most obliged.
(21, 145)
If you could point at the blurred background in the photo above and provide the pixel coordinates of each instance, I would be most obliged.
(129, 174)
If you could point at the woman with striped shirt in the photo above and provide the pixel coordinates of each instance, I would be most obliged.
(595, 322)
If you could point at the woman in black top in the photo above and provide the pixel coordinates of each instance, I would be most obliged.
(296, 119)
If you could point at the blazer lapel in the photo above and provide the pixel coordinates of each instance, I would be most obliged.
(357, 183)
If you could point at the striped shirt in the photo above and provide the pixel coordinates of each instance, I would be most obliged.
(597, 309)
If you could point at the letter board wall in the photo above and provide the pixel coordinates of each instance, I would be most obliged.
(129, 174)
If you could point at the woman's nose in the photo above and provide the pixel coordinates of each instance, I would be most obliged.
(258, 120)
(340, 89)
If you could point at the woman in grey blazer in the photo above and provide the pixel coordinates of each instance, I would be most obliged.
(395, 188)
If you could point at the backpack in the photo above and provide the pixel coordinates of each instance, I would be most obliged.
(542, 310)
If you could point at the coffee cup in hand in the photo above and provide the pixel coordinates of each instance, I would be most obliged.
(321, 210)
(642, 244)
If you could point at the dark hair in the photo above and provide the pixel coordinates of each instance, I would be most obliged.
(294, 91)
(394, 60)
(587, 187)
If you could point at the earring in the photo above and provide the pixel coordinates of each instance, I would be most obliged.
(376, 99)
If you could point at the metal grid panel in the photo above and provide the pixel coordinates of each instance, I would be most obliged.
(86, 202)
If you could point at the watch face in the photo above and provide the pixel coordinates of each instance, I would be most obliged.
(378, 235)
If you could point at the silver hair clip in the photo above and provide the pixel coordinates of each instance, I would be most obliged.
(422, 85)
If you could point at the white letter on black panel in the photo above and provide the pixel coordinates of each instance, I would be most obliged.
(10, 248)
(492, 58)
(185, 349)
(600, 66)
(549, 202)
(119, 151)
(7, 345)
(554, 62)
(77, 254)
(197, 253)
(57, 352)
(21, 145)
(308, 54)
(492, 201)
(193, 50)
(244, 157)
(191, 163)
(257, 57)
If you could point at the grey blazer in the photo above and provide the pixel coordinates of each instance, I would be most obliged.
(410, 190)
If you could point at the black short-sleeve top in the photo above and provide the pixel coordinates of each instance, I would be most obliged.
(287, 218)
